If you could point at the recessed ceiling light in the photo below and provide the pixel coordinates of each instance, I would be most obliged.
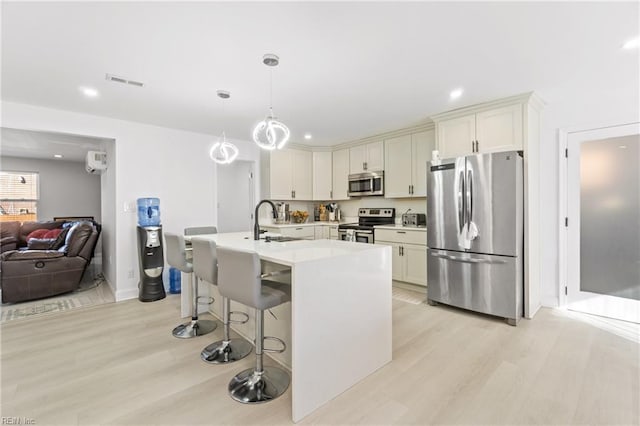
(89, 92)
(307, 136)
(622, 147)
(632, 44)
(455, 94)
(57, 155)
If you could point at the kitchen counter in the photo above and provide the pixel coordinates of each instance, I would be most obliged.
(340, 299)
(400, 227)
(296, 225)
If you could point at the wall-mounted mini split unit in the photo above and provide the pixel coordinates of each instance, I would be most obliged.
(96, 161)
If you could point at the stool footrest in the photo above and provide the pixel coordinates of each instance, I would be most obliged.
(276, 339)
(211, 299)
(242, 321)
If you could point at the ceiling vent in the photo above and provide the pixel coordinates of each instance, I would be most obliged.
(123, 80)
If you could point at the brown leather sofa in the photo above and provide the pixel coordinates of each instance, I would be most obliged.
(35, 273)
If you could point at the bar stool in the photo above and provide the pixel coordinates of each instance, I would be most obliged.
(200, 230)
(205, 266)
(240, 279)
(177, 257)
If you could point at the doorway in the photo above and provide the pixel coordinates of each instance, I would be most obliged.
(602, 222)
(236, 196)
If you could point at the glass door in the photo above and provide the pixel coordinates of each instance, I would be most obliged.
(603, 239)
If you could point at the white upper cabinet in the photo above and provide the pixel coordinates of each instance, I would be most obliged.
(375, 157)
(457, 136)
(322, 175)
(291, 174)
(422, 144)
(488, 130)
(302, 176)
(367, 158)
(398, 176)
(340, 179)
(405, 164)
(280, 175)
(499, 129)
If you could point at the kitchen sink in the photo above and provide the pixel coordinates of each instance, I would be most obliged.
(280, 239)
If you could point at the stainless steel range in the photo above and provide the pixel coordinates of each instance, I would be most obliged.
(362, 231)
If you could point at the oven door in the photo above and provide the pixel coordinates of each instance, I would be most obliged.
(364, 237)
(358, 236)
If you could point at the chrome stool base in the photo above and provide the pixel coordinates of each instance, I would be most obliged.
(226, 351)
(252, 387)
(194, 329)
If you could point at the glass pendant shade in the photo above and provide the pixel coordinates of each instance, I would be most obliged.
(271, 133)
(223, 152)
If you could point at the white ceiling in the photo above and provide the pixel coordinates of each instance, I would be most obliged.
(44, 145)
(348, 70)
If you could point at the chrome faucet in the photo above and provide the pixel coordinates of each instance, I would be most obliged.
(256, 226)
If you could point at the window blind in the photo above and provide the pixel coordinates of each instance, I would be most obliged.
(18, 192)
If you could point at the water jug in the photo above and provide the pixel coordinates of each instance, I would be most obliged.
(175, 286)
(148, 211)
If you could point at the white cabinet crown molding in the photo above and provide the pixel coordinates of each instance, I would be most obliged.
(387, 135)
(529, 97)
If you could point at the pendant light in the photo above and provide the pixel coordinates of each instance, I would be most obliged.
(223, 152)
(271, 133)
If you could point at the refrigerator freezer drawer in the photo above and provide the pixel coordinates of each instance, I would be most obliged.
(482, 283)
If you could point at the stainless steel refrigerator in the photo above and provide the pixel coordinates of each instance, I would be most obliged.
(475, 233)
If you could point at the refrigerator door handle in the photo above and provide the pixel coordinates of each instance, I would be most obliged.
(461, 203)
(467, 260)
(469, 185)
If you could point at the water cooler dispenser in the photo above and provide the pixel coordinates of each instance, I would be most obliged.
(150, 254)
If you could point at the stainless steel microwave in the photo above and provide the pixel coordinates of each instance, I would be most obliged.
(364, 184)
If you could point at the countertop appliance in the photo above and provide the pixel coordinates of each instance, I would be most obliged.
(284, 216)
(366, 184)
(414, 219)
(367, 218)
(475, 240)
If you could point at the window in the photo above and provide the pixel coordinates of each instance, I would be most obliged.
(18, 196)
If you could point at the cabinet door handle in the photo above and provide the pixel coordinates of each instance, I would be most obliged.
(331, 194)
(294, 194)
(401, 232)
(299, 229)
(473, 146)
(477, 146)
(399, 251)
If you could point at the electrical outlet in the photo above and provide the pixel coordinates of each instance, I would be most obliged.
(130, 273)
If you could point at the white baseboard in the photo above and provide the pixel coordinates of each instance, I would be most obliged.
(127, 294)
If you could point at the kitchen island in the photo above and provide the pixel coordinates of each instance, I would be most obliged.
(338, 324)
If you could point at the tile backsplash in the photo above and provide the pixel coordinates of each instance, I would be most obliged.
(349, 208)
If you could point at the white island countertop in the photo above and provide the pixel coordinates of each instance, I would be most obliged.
(287, 252)
(338, 324)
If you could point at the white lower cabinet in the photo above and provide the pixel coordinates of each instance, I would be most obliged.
(322, 232)
(333, 232)
(409, 254)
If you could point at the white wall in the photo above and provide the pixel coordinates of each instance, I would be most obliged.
(66, 189)
(171, 164)
(235, 197)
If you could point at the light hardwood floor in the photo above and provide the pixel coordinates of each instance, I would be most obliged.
(119, 364)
